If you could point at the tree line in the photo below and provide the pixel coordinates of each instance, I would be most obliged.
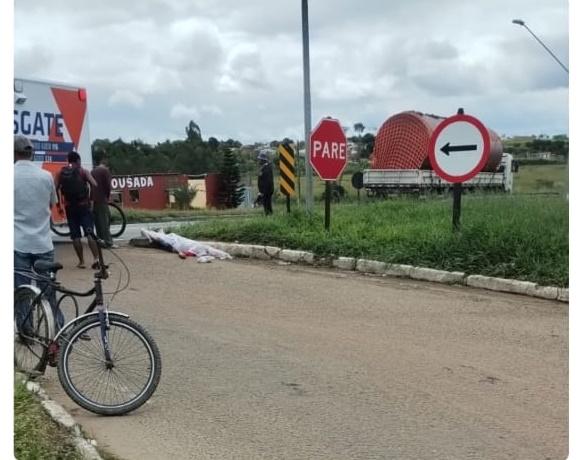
(237, 163)
(193, 155)
(556, 145)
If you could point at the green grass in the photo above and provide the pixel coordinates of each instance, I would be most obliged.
(541, 179)
(147, 215)
(529, 179)
(515, 236)
(36, 435)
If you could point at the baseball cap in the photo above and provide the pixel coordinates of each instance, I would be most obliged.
(22, 144)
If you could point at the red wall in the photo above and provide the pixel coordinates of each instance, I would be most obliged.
(212, 190)
(151, 188)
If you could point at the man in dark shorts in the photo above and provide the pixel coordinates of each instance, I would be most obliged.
(73, 183)
(101, 195)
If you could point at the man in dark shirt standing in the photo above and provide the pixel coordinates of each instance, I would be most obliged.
(265, 182)
(73, 182)
(101, 195)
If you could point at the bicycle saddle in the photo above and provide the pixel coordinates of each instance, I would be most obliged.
(44, 266)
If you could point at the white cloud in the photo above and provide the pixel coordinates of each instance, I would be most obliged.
(180, 111)
(236, 67)
(127, 98)
(227, 84)
(211, 110)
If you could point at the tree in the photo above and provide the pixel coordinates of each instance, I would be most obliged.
(359, 128)
(231, 143)
(213, 144)
(367, 145)
(184, 196)
(193, 131)
(231, 193)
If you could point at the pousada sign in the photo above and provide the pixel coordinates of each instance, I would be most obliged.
(118, 183)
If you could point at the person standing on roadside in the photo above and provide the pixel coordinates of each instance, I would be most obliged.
(34, 194)
(73, 182)
(265, 182)
(101, 195)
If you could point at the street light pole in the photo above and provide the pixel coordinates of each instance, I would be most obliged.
(522, 23)
(519, 22)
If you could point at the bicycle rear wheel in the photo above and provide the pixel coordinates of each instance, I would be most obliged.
(60, 229)
(115, 389)
(69, 306)
(34, 328)
(117, 218)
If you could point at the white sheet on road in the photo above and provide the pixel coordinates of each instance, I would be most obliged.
(184, 246)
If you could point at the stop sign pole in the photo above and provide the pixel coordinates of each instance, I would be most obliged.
(328, 148)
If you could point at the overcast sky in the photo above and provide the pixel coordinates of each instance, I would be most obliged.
(235, 67)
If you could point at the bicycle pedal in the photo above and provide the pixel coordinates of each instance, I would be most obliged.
(34, 374)
(53, 353)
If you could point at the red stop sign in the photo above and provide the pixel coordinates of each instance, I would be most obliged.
(328, 149)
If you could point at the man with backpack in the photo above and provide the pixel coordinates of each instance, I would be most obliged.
(73, 183)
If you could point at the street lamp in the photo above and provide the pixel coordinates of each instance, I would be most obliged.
(519, 22)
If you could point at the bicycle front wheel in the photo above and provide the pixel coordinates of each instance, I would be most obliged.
(118, 220)
(34, 328)
(115, 387)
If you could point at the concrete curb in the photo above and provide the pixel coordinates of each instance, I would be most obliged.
(85, 447)
(381, 268)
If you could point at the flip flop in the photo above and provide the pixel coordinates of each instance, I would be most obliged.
(81, 266)
(95, 265)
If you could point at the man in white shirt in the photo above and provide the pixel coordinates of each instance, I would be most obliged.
(34, 194)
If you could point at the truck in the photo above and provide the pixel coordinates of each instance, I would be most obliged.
(390, 182)
(54, 117)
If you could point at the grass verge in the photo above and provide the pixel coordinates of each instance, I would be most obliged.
(36, 435)
(517, 237)
(146, 215)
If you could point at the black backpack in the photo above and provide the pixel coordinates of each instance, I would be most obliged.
(72, 185)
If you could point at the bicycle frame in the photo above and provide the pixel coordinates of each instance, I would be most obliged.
(96, 307)
(106, 363)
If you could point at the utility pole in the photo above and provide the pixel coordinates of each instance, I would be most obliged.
(307, 107)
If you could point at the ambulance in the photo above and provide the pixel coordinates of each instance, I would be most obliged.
(54, 117)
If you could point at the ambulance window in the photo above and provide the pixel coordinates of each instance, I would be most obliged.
(134, 195)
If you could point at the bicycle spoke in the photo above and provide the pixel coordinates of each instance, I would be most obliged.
(32, 331)
(131, 372)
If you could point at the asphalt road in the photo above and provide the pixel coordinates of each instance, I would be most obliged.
(262, 360)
